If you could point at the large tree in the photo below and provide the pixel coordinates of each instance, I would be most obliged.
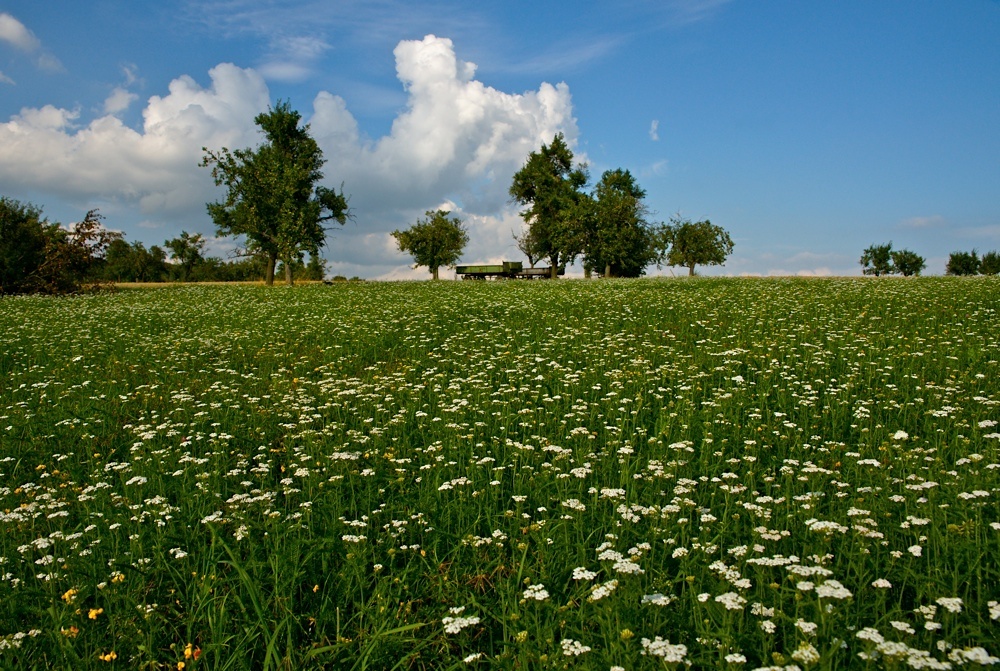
(435, 241)
(620, 241)
(550, 187)
(273, 195)
(699, 243)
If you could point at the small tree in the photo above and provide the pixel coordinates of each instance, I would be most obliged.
(877, 260)
(700, 243)
(962, 263)
(435, 241)
(187, 250)
(908, 263)
(990, 264)
(528, 245)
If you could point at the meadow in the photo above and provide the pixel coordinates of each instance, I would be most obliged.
(608, 475)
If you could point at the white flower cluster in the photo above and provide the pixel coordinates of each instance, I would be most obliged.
(573, 648)
(536, 592)
(672, 653)
(603, 590)
(453, 625)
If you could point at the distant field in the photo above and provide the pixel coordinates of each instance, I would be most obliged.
(721, 473)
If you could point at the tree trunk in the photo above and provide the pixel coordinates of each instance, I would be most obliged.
(434, 272)
(269, 273)
(607, 270)
(288, 274)
(587, 272)
(554, 270)
(691, 270)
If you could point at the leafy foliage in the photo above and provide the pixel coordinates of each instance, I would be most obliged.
(877, 260)
(435, 241)
(126, 262)
(41, 257)
(188, 251)
(907, 263)
(273, 198)
(699, 243)
(990, 263)
(550, 187)
(620, 241)
(962, 263)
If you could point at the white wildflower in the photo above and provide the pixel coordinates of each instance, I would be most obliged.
(573, 648)
(670, 652)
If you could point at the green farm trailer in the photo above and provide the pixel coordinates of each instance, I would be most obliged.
(504, 270)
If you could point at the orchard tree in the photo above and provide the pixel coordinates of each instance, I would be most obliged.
(907, 263)
(273, 198)
(620, 241)
(528, 245)
(990, 263)
(435, 241)
(700, 243)
(962, 263)
(549, 187)
(188, 252)
(877, 260)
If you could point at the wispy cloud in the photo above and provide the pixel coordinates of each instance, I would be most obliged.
(933, 221)
(654, 130)
(566, 56)
(693, 11)
(14, 33)
(17, 35)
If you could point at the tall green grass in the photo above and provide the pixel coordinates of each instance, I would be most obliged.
(714, 473)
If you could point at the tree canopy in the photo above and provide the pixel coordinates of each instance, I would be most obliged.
(435, 241)
(699, 243)
(908, 263)
(962, 263)
(550, 188)
(188, 251)
(620, 241)
(273, 198)
(41, 257)
(877, 260)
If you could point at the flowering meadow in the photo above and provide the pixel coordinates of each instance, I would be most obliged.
(608, 475)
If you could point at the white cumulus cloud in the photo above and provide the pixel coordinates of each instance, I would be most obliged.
(155, 168)
(457, 140)
(119, 100)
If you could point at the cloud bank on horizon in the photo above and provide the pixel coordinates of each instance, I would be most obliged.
(455, 146)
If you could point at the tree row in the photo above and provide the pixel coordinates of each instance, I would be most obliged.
(880, 260)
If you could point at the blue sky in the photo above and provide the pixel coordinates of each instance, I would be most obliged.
(809, 130)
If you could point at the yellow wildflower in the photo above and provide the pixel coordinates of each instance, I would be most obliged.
(108, 657)
(94, 612)
(69, 596)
